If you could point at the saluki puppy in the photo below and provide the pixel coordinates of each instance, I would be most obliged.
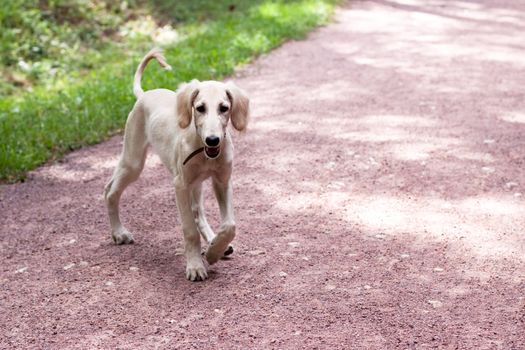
(188, 130)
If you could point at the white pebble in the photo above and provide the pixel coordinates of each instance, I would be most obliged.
(438, 269)
(109, 283)
(68, 266)
(283, 274)
(133, 268)
(22, 270)
(435, 303)
(329, 287)
(256, 252)
(488, 169)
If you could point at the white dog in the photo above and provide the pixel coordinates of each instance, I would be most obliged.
(188, 130)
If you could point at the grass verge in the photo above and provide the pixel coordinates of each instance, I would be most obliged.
(47, 123)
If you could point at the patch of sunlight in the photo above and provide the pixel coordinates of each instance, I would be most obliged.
(166, 35)
(143, 26)
(489, 206)
(146, 26)
(256, 41)
(88, 167)
(271, 125)
(335, 90)
(514, 117)
(328, 201)
(413, 150)
(274, 10)
(383, 135)
(472, 155)
(468, 5)
(409, 2)
(481, 222)
(396, 120)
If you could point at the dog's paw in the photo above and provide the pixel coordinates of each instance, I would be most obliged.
(219, 246)
(195, 270)
(122, 236)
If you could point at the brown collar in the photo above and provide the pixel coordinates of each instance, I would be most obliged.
(192, 154)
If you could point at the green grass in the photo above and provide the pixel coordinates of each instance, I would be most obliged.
(52, 120)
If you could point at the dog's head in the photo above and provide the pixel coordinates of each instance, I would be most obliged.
(211, 105)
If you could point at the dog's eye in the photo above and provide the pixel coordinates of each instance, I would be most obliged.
(201, 109)
(223, 109)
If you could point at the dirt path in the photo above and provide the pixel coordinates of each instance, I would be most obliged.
(378, 199)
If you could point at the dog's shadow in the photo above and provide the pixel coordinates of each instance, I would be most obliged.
(161, 260)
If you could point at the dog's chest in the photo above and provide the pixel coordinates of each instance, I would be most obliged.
(200, 172)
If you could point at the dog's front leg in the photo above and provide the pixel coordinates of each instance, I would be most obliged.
(195, 269)
(224, 193)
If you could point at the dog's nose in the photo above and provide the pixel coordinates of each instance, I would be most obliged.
(212, 141)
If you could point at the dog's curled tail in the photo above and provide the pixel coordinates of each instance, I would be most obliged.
(155, 53)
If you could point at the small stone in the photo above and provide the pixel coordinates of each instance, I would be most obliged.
(133, 268)
(511, 184)
(336, 185)
(435, 303)
(83, 263)
(256, 252)
(330, 165)
(283, 274)
(219, 311)
(380, 236)
(517, 194)
(72, 241)
(68, 266)
(329, 287)
(294, 244)
(109, 283)
(367, 287)
(22, 269)
(488, 169)
(438, 269)
(405, 256)
(305, 258)
(489, 141)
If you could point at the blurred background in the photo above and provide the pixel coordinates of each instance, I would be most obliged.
(67, 65)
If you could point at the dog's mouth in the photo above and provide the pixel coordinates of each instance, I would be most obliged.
(212, 152)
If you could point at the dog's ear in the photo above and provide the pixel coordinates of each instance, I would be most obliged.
(186, 94)
(240, 106)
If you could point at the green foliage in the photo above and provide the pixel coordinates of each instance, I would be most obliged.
(51, 120)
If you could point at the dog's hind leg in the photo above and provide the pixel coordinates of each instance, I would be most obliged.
(128, 169)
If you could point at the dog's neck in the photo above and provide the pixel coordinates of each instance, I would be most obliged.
(193, 154)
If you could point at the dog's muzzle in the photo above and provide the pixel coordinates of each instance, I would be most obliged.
(212, 152)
